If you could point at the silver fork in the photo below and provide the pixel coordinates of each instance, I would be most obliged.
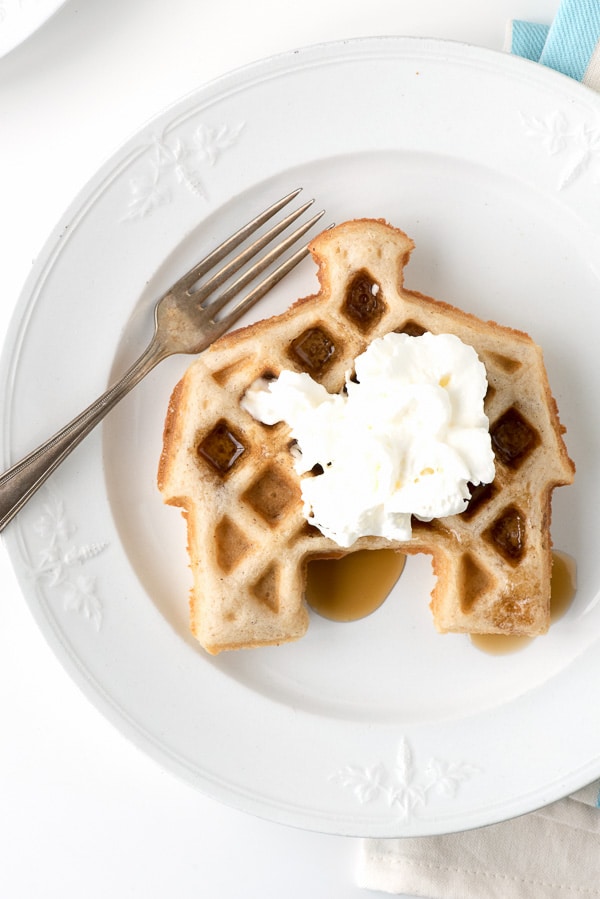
(186, 320)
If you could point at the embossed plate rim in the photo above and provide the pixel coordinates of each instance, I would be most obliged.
(374, 779)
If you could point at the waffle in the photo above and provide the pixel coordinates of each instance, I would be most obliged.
(233, 477)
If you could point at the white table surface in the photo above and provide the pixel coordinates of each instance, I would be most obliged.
(83, 812)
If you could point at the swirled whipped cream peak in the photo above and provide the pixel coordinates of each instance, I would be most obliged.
(405, 437)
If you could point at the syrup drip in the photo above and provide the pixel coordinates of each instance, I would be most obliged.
(562, 594)
(354, 586)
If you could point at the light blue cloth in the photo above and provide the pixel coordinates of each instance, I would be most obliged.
(527, 39)
(571, 44)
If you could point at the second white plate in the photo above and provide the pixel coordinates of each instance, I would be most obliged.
(19, 19)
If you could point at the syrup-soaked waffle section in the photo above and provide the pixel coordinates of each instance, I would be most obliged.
(234, 478)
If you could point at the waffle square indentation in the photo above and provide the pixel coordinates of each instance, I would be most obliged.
(412, 329)
(272, 494)
(473, 579)
(266, 588)
(231, 544)
(481, 496)
(505, 363)
(314, 350)
(364, 304)
(221, 448)
(507, 534)
(513, 438)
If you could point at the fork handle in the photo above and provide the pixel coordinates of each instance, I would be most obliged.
(19, 483)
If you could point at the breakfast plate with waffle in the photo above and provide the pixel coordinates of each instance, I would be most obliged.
(382, 725)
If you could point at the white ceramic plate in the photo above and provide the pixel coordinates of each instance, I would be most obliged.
(19, 19)
(379, 727)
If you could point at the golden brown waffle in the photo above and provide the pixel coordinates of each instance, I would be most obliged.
(234, 478)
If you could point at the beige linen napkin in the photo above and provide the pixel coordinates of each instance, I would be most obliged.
(553, 853)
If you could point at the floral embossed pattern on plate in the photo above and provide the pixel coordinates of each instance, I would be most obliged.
(167, 163)
(61, 562)
(574, 144)
(406, 786)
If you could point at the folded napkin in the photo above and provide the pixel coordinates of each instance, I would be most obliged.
(550, 854)
(553, 853)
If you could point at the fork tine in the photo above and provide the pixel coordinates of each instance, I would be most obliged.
(223, 324)
(207, 288)
(263, 263)
(215, 256)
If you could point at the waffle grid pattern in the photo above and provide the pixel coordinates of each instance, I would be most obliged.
(248, 539)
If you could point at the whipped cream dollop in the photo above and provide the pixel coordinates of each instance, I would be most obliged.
(405, 437)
